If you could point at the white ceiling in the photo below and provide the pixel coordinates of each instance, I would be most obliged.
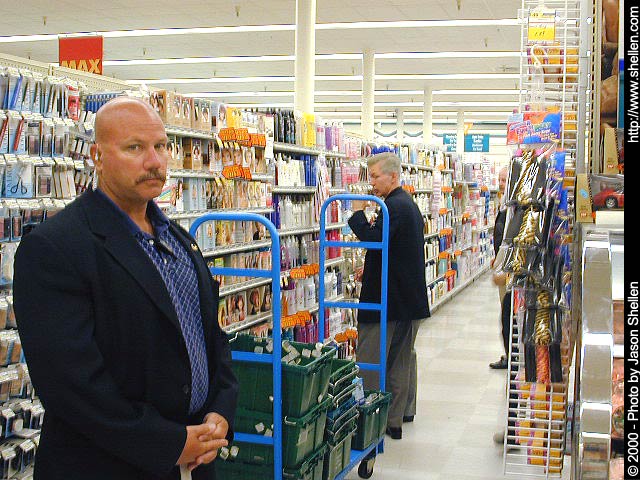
(70, 16)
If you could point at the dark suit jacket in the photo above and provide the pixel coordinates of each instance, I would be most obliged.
(498, 229)
(105, 350)
(407, 290)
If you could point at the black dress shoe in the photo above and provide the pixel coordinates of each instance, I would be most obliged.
(407, 419)
(395, 433)
(500, 364)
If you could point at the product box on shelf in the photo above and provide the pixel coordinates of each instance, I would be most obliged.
(158, 100)
(205, 115)
(196, 114)
(607, 191)
(218, 116)
(186, 112)
(192, 148)
(173, 109)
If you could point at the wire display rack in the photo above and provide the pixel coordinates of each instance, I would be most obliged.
(555, 69)
(553, 78)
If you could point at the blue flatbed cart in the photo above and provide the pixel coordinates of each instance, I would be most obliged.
(364, 459)
(274, 358)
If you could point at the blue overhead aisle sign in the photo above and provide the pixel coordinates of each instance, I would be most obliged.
(475, 142)
(450, 142)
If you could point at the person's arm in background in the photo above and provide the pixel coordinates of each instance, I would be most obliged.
(54, 311)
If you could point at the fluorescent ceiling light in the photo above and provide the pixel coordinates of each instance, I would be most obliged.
(233, 59)
(450, 76)
(163, 81)
(266, 28)
(197, 60)
(475, 104)
(476, 92)
(237, 94)
(348, 93)
(386, 104)
(320, 78)
(291, 58)
(419, 24)
(431, 55)
(452, 115)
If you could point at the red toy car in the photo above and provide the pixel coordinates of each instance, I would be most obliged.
(609, 198)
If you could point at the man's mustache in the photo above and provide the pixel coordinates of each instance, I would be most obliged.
(152, 175)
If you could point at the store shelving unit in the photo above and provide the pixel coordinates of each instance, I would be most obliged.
(458, 288)
(199, 213)
(189, 132)
(236, 248)
(301, 150)
(437, 279)
(303, 190)
(185, 173)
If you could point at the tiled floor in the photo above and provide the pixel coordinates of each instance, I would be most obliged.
(461, 401)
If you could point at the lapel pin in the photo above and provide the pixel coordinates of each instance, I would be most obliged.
(194, 247)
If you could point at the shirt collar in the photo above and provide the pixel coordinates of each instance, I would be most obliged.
(158, 219)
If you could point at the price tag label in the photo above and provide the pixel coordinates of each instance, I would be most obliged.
(233, 171)
(297, 273)
(227, 134)
(242, 136)
(257, 140)
(542, 25)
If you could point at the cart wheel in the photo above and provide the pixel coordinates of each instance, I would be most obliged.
(365, 470)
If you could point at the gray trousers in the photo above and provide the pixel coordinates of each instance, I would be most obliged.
(401, 337)
(412, 397)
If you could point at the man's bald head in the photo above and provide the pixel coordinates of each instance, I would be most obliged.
(111, 114)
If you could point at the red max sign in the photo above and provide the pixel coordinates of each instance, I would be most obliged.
(81, 53)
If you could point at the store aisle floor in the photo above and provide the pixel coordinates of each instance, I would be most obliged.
(461, 401)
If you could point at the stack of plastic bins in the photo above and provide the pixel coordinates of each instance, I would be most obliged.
(310, 469)
(305, 381)
(342, 418)
(341, 388)
(372, 419)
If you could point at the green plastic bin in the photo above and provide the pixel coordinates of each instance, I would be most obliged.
(342, 374)
(300, 436)
(372, 421)
(310, 469)
(303, 386)
(229, 470)
(337, 418)
(338, 454)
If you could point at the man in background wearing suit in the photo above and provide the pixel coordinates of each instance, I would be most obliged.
(407, 302)
(500, 278)
(116, 310)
